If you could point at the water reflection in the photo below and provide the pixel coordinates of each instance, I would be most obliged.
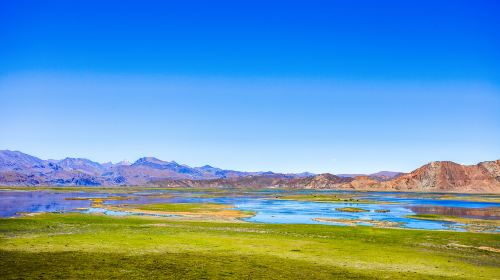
(476, 213)
(12, 203)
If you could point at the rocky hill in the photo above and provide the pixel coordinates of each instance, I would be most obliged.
(447, 176)
(433, 177)
(267, 179)
(379, 176)
(441, 176)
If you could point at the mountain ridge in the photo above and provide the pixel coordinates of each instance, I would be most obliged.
(447, 176)
(17, 168)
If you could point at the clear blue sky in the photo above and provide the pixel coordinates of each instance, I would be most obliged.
(288, 86)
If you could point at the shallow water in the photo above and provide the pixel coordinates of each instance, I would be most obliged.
(289, 211)
(490, 213)
(14, 202)
(268, 209)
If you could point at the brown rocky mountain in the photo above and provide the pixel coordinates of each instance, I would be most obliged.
(379, 176)
(321, 181)
(447, 176)
(441, 176)
(251, 181)
(361, 183)
(275, 180)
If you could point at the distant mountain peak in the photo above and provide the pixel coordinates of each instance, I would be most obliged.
(144, 159)
(70, 159)
(379, 176)
(209, 168)
(81, 164)
(18, 160)
(149, 160)
(124, 162)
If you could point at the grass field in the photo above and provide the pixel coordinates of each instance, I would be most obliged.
(102, 247)
(199, 211)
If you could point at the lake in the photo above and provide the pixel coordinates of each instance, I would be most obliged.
(372, 208)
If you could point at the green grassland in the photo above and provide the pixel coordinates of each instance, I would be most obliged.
(179, 207)
(199, 211)
(83, 246)
(351, 209)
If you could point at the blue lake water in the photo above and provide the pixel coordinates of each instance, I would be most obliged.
(267, 208)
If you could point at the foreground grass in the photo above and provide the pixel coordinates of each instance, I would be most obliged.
(203, 211)
(182, 207)
(93, 246)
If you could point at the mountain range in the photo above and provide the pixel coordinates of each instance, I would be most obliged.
(17, 168)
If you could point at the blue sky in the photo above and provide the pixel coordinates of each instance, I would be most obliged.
(288, 86)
